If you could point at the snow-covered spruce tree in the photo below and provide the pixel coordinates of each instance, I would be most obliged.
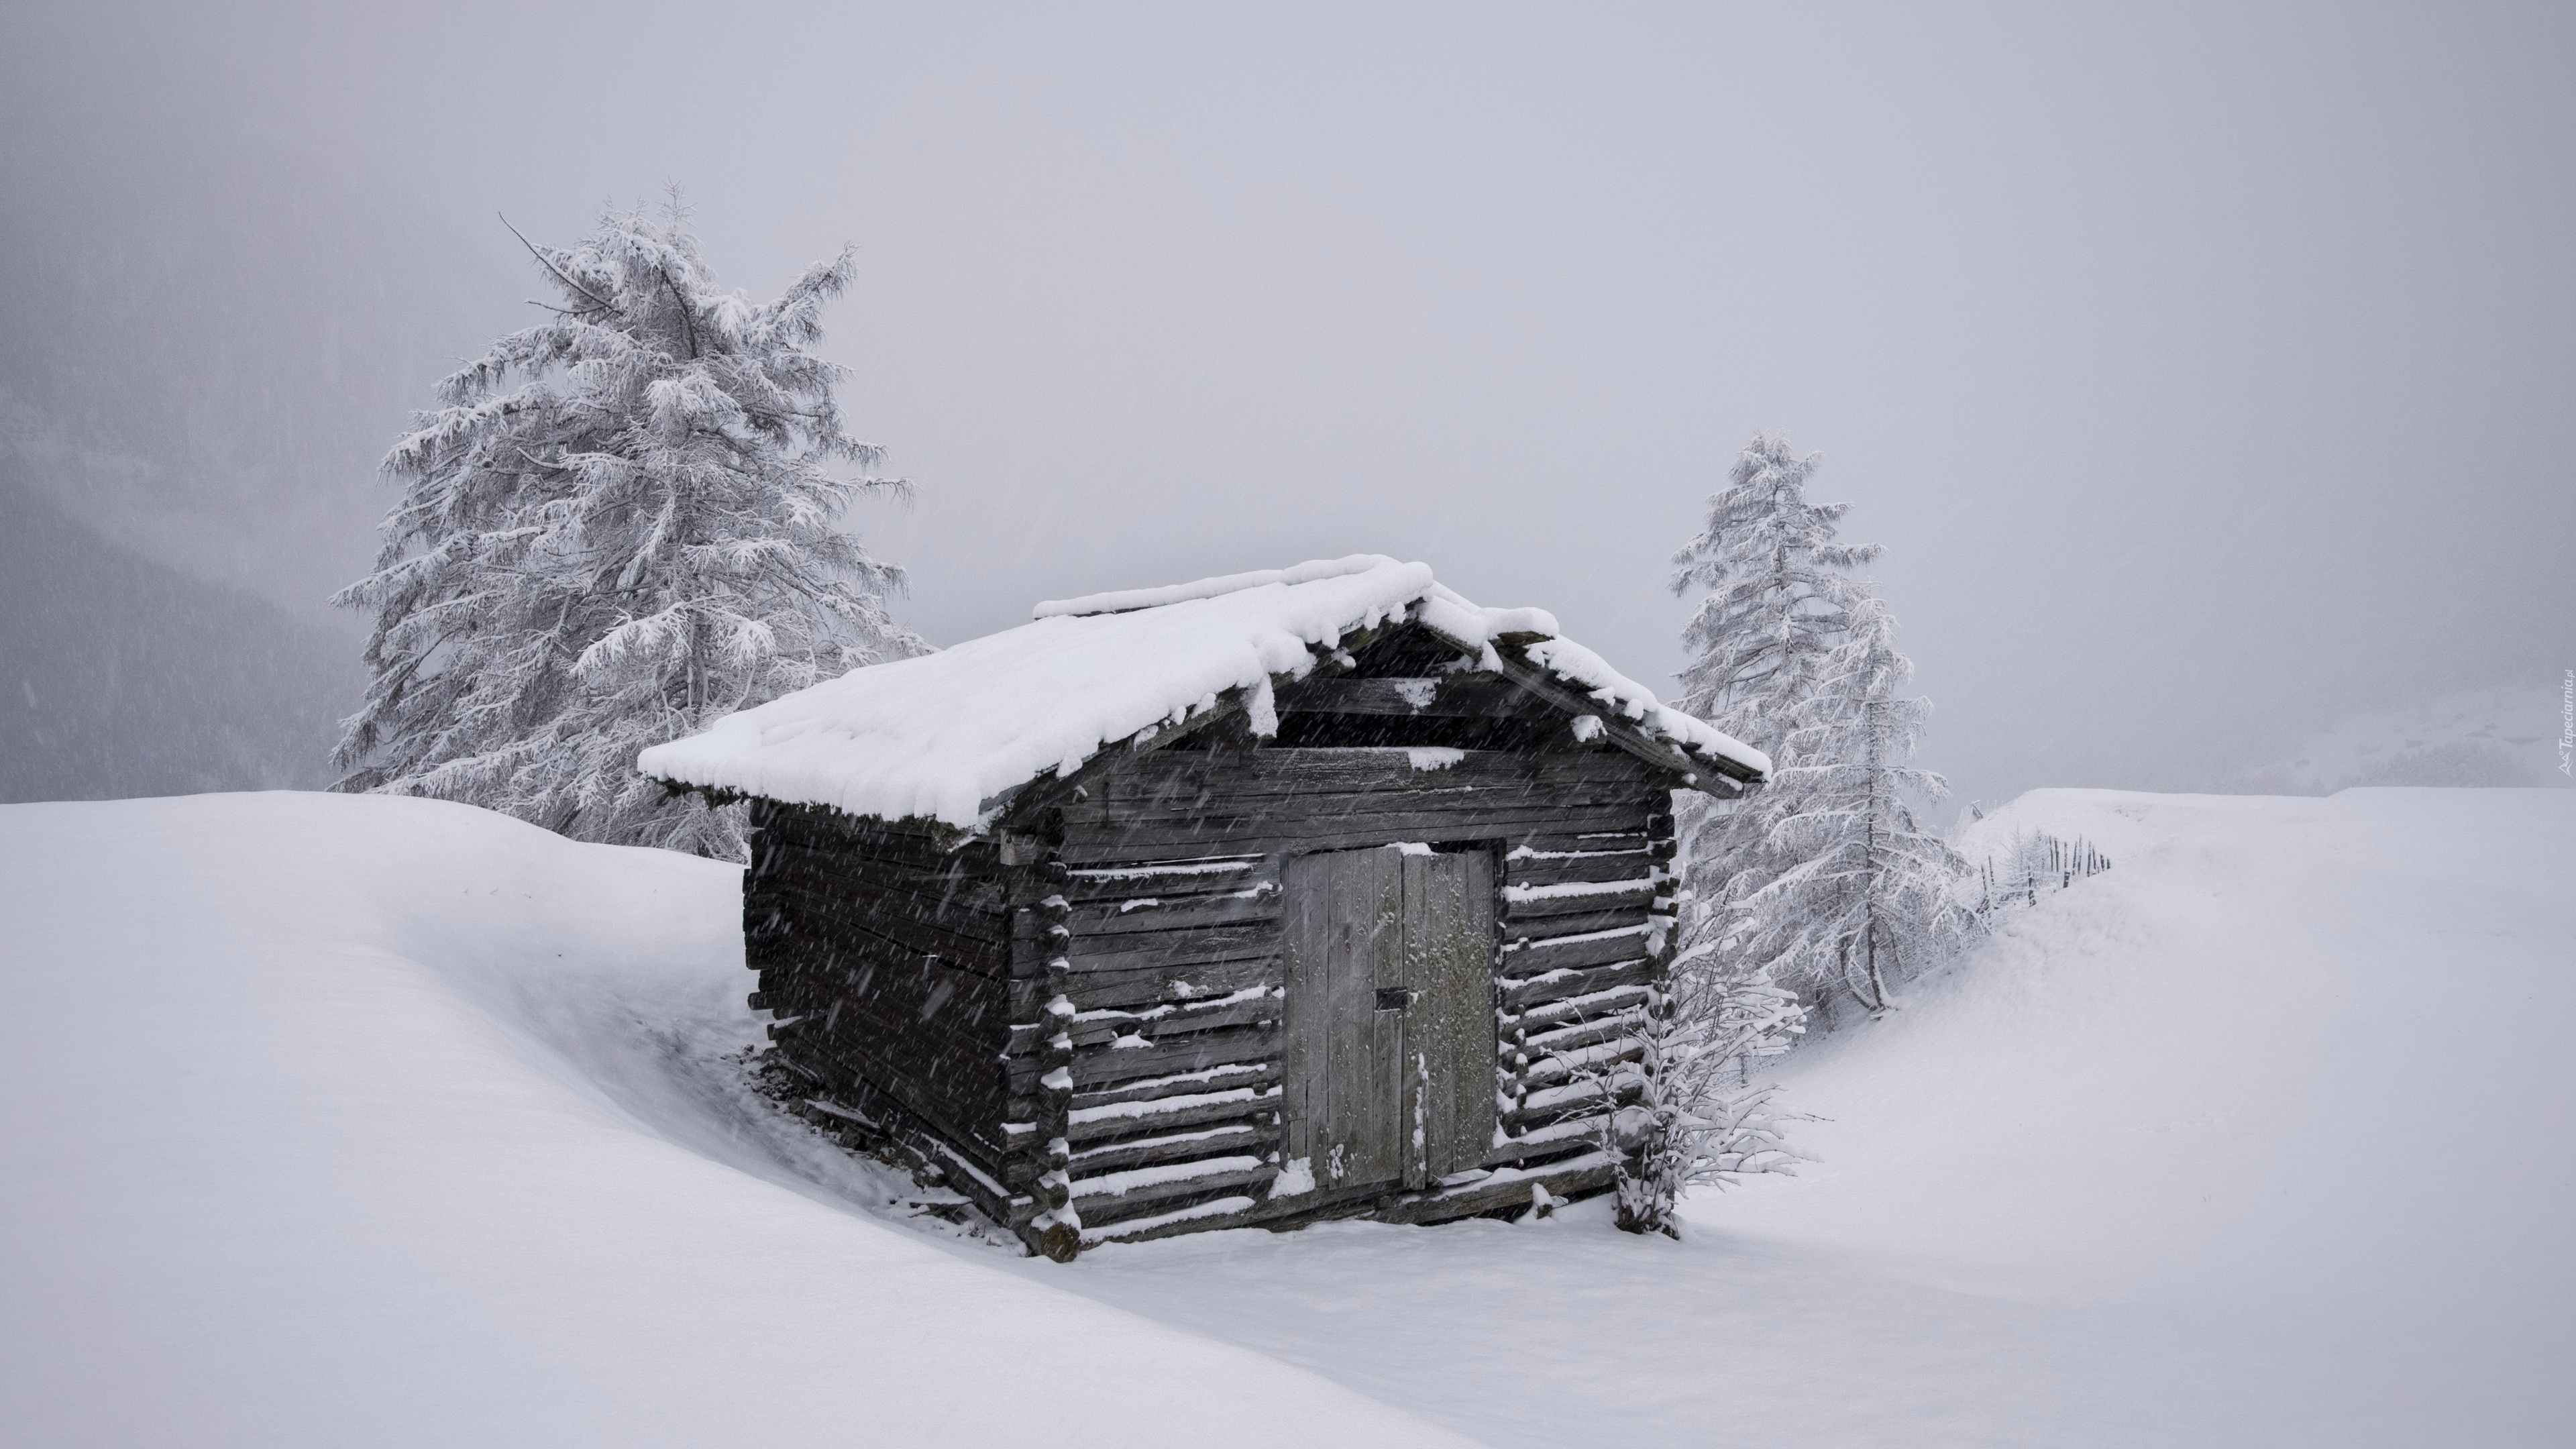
(1866, 892)
(1697, 1115)
(1778, 601)
(618, 526)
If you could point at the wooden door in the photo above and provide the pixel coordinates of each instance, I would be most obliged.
(1390, 1014)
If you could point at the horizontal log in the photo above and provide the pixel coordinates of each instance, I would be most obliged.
(1576, 1176)
(1591, 1007)
(1255, 900)
(1555, 1142)
(1580, 869)
(1534, 932)
(1523, 992)
(1120, 1062)
(1117, 1121)
(1578, 898)
(1616, 805)
(1193, 779)
(1539, 1045)
(1551, 845)
(1225, 1077)
(1098, 1026)
(1524, 957)
(1098, 990)
(1176, 951)
(1215, 1211)
(1572, 1063)
(1107, 1066)
(1249, 1007)
(1218, 1139)
(1510, 826)
(1150, 1197)
(1113, 1195)
(1167, 878)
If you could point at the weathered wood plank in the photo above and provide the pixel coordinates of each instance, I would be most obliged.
(1115, 1195)
(1147, 839)
(1523, 958)
(1547, 1015)
(1578, 1176)
(1191, 779)
(1218, 875)
(1588, 868)
(1521, 992)
(1522, 903)
(1535, 931)
(1223, 1138)
(1546, 845)
(1103, 1066)
(1449, 1027)
(1109, 1122)
(1098, 990)
(1149, 912)
(1451, 696)
(1249, 1007)
(1174, 950)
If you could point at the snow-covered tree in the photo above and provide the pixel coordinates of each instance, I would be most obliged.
(1697, 1115)
(1779, 599)
(1779, 595)
(619, 525)
(1866, 892)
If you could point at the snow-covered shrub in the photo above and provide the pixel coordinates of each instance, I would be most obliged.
(1694, 1113)
(619, 525)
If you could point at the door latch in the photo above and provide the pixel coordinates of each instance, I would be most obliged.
(1394, 998)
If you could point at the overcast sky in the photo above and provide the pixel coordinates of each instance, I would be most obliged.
(2206, 372)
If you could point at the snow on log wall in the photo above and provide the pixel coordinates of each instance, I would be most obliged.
(1096, 1026)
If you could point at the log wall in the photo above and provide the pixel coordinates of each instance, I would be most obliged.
(1168, 1000)
(1080, 1018)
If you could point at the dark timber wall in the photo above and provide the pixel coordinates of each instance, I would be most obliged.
(1089, 1008)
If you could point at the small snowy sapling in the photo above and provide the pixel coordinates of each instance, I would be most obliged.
(1694, 1113)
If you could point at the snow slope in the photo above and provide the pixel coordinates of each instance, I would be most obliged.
(383, 1121)
(336, 1121)
(2261, 1138)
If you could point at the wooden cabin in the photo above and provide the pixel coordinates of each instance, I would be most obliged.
(1260, 900)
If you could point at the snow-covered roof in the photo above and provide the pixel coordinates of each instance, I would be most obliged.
(948, 736)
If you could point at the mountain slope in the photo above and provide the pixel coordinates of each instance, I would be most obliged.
(120, 677)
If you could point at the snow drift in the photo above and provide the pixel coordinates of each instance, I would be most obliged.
(354, 1120)
(337, 1120)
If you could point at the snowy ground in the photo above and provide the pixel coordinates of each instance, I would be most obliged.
(330, 1120)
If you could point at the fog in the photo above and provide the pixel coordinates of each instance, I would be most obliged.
(2205, 374)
